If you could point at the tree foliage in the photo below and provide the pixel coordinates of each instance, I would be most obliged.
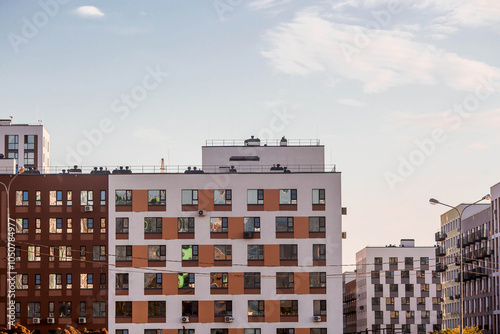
(467, 330)
(20, 329)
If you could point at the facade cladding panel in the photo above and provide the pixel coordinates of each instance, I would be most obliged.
(56, 266)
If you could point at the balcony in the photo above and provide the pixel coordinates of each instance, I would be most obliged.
(440, 236)
(440, 251)
(440, 267)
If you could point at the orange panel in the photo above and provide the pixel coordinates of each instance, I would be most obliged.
(236, 331)
(169, 228)
(302, 330)
(271, 199)
(206, 199)
(206, 255)
(235, 227)
(236, 283)
(301, 283)
(139, 256)
(206, 311)
(139, 312)
(271, 255)
(170, 284)
(170, 331)
(139, 200)
(272, 310)
(301, 227)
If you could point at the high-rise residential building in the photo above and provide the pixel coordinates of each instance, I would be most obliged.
(28, 144)
(398, 289)
(477, 252)
(495, 258)
(350, 297)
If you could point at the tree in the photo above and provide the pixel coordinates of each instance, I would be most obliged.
(467, 330)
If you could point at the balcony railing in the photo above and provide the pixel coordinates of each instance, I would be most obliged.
(440, 236)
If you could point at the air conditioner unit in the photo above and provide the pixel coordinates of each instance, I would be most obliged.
(317, 318)
(36, 321)
(82, 320)
(228, 319)
(51, 320)
(247, 235)
(185, 319)
(202, 213)
(89, 208)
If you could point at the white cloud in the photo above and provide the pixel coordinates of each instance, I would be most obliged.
(351, 102)
(266, 4)
(377, 59)
(89, 12)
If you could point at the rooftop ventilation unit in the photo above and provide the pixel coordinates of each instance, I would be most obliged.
(252, 141)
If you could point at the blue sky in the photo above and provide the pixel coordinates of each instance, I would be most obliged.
(403, 94)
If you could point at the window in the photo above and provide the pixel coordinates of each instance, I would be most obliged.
(37, 282)
(55, 198)
(34, 310)
(156, 197)
(378, 260)
(389, 274)
(156, 309)
(288, 196)
(255, 252)
(29, 158)
(99, 309)
(21, 282)
(425, 314)
(65, 254)
(123, 197)
(86, 225)
(189, 308)
(18, 310)
(255, 196)
(222, 197)
(393, 260)
(318, 196)
(69, 281)
(189, 253)
(405, 274)
(83, 309)
(64, 309)
(69, 198)
(424, 287)
(420, 273)
(52, 308)
(319, 252)
(152, 225)
(185, 225)
(288, 252)
(86, 281)
(103, 197)
(218, 225)
(152, 331)
(379, 315)
(52, 252)
(405, 301)
(38, 198)
(420, 300)
(99, 253)
(409, 287)
(22, 198)
(284, 280)
(251, 224)
(409, 261)
(284, 224)
(186, 280)
(22, 225)
(255, 308)
(378, 287)
(389, 301)
(251, 280)
(318, 331)
(317, 224)
(394, 314)
(103, 225)
(55, 225)
(123, 253)
(285, 330)
(34, 254)
(125, 331)
(289, 307)
(69, 225)
(186, 331)
(393, 287)
(317, 280)
(83, 253)
(222, 253)
(218, 280)
(436, 300)
(421, 329)
(319, 307)
(375, 301)
(86, 197)
(13, 142)
(424, 261)
(410, 314)
(121, 281)
(152, 281)
(189, 197)
(18, 253)
(123, 309)
(121, 225)
(223, 308)
(219, 331)
(29, 142)
(157, 253)
(252, 331)
(375, 274)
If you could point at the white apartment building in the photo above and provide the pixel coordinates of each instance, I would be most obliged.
(398, 289)
(29, 144)
(237, 248)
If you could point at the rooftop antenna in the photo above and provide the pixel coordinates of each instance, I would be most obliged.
(162, 168)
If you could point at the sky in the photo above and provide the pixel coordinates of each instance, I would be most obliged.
(403, 94)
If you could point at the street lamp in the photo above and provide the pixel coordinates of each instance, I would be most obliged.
(434, 201)
(9, 240)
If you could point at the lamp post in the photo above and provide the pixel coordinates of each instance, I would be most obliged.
(10, 239)
(434, 201)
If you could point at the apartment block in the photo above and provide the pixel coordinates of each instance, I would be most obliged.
(398, 289)
(350, 306)
(61, 250)
(494, 258)
(28, 144)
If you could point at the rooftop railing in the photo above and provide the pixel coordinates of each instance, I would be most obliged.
(263, 142)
